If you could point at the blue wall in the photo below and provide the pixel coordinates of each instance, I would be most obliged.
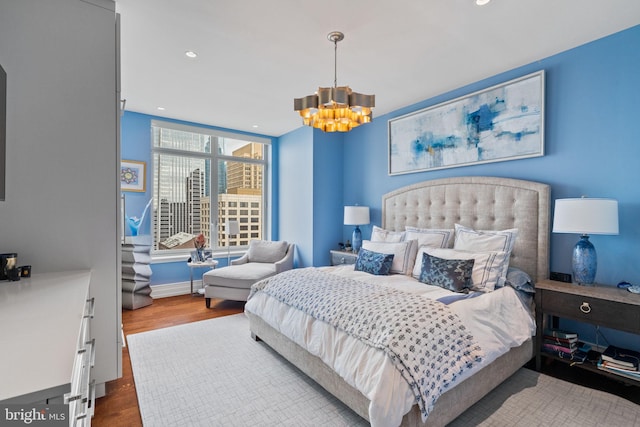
(311, 185)
(296, 197)
(592, 148)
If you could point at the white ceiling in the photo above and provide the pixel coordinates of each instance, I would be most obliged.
(255, 56)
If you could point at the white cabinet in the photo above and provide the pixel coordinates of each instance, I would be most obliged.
(61, 207)
(50, 340)
(81, 398)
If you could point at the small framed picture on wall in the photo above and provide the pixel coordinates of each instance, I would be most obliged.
(133, 176)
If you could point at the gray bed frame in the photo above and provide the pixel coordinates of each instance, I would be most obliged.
(485, 203)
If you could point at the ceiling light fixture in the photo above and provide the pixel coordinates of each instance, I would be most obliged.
(335, 108)
(482, 2)
(191, 54)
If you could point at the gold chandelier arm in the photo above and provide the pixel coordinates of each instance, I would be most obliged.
(362, 100)
(310, 101)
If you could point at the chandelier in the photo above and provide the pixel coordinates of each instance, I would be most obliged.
(335, 108)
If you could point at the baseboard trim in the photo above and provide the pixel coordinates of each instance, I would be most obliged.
(174, 289)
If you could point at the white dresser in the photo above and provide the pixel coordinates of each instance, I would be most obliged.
(45, 336)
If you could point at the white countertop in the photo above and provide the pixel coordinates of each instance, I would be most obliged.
(40, 319)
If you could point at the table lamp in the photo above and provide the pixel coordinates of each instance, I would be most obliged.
(585, 216)
(231, 228)
(356, 215)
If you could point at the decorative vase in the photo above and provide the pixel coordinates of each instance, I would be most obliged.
(356, 239)
(584, 261)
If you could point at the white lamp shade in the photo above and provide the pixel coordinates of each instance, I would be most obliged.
(586, 216)
(232, 228)
(356, 215)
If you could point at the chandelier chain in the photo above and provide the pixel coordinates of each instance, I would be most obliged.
(335, 37)
(335, 63)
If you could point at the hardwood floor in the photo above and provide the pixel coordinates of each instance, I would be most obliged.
(120, 405)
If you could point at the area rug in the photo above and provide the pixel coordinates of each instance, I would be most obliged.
(211, 373)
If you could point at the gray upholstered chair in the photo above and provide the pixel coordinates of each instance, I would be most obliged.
(262, 260)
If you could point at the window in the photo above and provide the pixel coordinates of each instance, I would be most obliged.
(201, 179)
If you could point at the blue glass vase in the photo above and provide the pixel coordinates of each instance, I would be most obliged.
(134, 224)
(584, 261)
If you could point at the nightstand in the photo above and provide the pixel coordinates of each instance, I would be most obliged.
(606, 306)
(343, 257)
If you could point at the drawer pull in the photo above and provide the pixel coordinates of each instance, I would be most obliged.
(585, 308)
(91, 310)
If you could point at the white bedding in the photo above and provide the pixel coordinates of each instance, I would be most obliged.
(498, 320)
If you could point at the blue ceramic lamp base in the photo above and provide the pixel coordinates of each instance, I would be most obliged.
(356, 239)
(584, 261)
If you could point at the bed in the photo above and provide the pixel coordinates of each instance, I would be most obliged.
(479, 203)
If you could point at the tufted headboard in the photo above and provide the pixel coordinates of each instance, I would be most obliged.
(483, 203)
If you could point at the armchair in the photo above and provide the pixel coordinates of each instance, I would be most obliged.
(263, 259)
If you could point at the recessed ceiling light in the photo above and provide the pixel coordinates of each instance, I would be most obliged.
(191, 54)
(161, 108)
(482, 2)
(255, 126)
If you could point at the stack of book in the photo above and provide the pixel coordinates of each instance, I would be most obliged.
(564, 344)
(621, 361)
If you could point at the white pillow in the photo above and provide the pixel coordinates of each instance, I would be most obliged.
(404, 253)
(381, 235)
(489, 268)
(434, 237)
(267, 251)
(468, 239)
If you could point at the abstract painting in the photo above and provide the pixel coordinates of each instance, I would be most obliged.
(132, 176)
(503, 122)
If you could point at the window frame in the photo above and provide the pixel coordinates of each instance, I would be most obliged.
(169, 255)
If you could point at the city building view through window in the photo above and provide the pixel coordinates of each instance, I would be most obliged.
(202, 179)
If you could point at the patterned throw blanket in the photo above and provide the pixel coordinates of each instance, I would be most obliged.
(425, 340)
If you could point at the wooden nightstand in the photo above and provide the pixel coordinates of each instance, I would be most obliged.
(600, 305)
(343, 257)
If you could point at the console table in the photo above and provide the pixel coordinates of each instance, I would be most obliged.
(606, 306)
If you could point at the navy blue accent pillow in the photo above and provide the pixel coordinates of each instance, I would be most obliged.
(373, 262)
(451, 274)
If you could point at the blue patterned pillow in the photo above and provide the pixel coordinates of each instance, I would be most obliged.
(373, 262)
(452, 274)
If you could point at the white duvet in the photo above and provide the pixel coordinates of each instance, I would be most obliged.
(498, 321)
